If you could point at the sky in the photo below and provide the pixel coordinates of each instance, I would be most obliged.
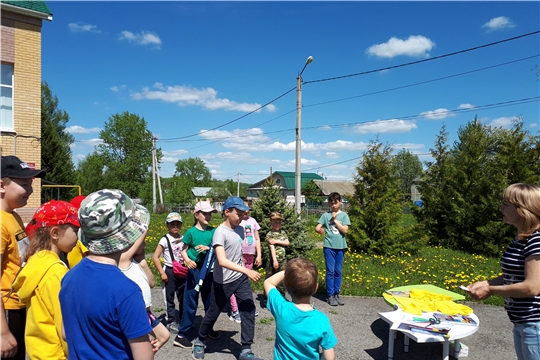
(217, 80)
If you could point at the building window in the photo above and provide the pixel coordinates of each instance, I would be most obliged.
(6, 97)
(278, 181)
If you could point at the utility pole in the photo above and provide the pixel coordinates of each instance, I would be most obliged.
(238, 186)
(298, 168)
(153, 174)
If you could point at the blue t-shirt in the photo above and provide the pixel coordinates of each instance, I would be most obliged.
(299, 333)
(101, 310)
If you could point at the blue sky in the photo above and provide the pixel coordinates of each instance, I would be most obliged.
(191, 67)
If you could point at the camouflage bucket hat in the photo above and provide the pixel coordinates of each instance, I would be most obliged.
(111, 221)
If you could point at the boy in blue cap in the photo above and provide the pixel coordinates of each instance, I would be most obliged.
(230, 277)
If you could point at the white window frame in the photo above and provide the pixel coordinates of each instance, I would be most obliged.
(12, 87)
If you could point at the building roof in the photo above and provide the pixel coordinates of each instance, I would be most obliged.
(200, 191)
(341, 187)
(289, 177)
(34, 8)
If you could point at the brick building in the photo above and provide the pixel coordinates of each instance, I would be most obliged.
(20, 102)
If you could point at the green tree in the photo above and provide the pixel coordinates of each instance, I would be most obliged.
(272, 200)
(376, 208)
(311, 192)
(408, 167)
(56, 142)
(126, 152)
(462, 189)
(90, 173)
(194, 171)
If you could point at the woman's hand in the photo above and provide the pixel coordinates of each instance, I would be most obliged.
(479, 290)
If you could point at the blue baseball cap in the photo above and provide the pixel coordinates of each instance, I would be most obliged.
(235, 202)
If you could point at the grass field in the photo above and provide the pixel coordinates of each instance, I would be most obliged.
(370, 275)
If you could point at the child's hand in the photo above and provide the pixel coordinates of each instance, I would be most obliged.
(164, 277)
(253, 275)
(276, 265)
(320, 231)
(272, 241)
(258, 261)
(201, 248)
(190, 264)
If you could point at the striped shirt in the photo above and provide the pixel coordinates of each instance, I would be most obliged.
(526, 309)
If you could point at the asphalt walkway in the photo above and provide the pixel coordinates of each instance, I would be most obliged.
(360, 332)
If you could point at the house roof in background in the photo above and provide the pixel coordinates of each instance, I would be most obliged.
(200, 191)
(34, 8)
(341, 187)
(289, 177)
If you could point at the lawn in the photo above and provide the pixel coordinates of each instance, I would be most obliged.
(370, 275)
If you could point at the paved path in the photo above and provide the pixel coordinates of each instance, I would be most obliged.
(361, 334)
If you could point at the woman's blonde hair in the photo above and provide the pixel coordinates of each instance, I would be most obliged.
(526, 198)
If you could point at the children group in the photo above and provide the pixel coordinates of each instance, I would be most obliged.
(96, 302)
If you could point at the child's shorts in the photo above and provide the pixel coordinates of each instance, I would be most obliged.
(152, 319)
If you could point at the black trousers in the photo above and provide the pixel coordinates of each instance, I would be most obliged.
(16, 320)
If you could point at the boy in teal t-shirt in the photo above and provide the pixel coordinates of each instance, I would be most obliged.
(300, 328)
(334, 225)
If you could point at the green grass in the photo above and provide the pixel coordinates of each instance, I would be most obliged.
(371, 275)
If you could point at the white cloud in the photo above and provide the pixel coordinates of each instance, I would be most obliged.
(416, 46)
(143, 38)
(504, 122)
(174, 152)
(438, 114)
(465, 106)
(118, 88)
(533, 125)
(501, 22)
(76, 129)
(80, 27)
(187, 95)
(385, 126)
(324, 128)
(332, 155)
(93, 142)
(409, 146)
(237, 137)
(169, 159)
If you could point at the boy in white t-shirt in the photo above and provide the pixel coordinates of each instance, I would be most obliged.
(230, 277)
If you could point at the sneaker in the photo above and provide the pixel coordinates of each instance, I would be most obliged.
(213, 334)
(235, 316)
(248, 355)
(256, 313)
(338, 300)
(183, 342)
(173, 327)
(198, 349)
(332, 301)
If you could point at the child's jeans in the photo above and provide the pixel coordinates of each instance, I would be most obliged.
(527, 340)
(191, 298)
(173, 286)
(219, 297)
(334, 264)
(249, 259)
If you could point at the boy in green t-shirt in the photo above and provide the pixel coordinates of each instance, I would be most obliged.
(334, 225)
(277, 240)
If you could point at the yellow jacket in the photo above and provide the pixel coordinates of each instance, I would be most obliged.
(38, 286)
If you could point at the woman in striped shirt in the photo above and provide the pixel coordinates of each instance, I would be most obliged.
(520, 282)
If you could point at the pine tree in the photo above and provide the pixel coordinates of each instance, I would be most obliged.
(56, 142)
(376, 208)
(272, 200)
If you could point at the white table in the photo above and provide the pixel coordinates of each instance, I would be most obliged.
(394, 318)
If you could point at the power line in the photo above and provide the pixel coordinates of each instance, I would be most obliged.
(354, 97)
(424, 60)
(358, 74)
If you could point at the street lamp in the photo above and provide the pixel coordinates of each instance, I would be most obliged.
(298, 170)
